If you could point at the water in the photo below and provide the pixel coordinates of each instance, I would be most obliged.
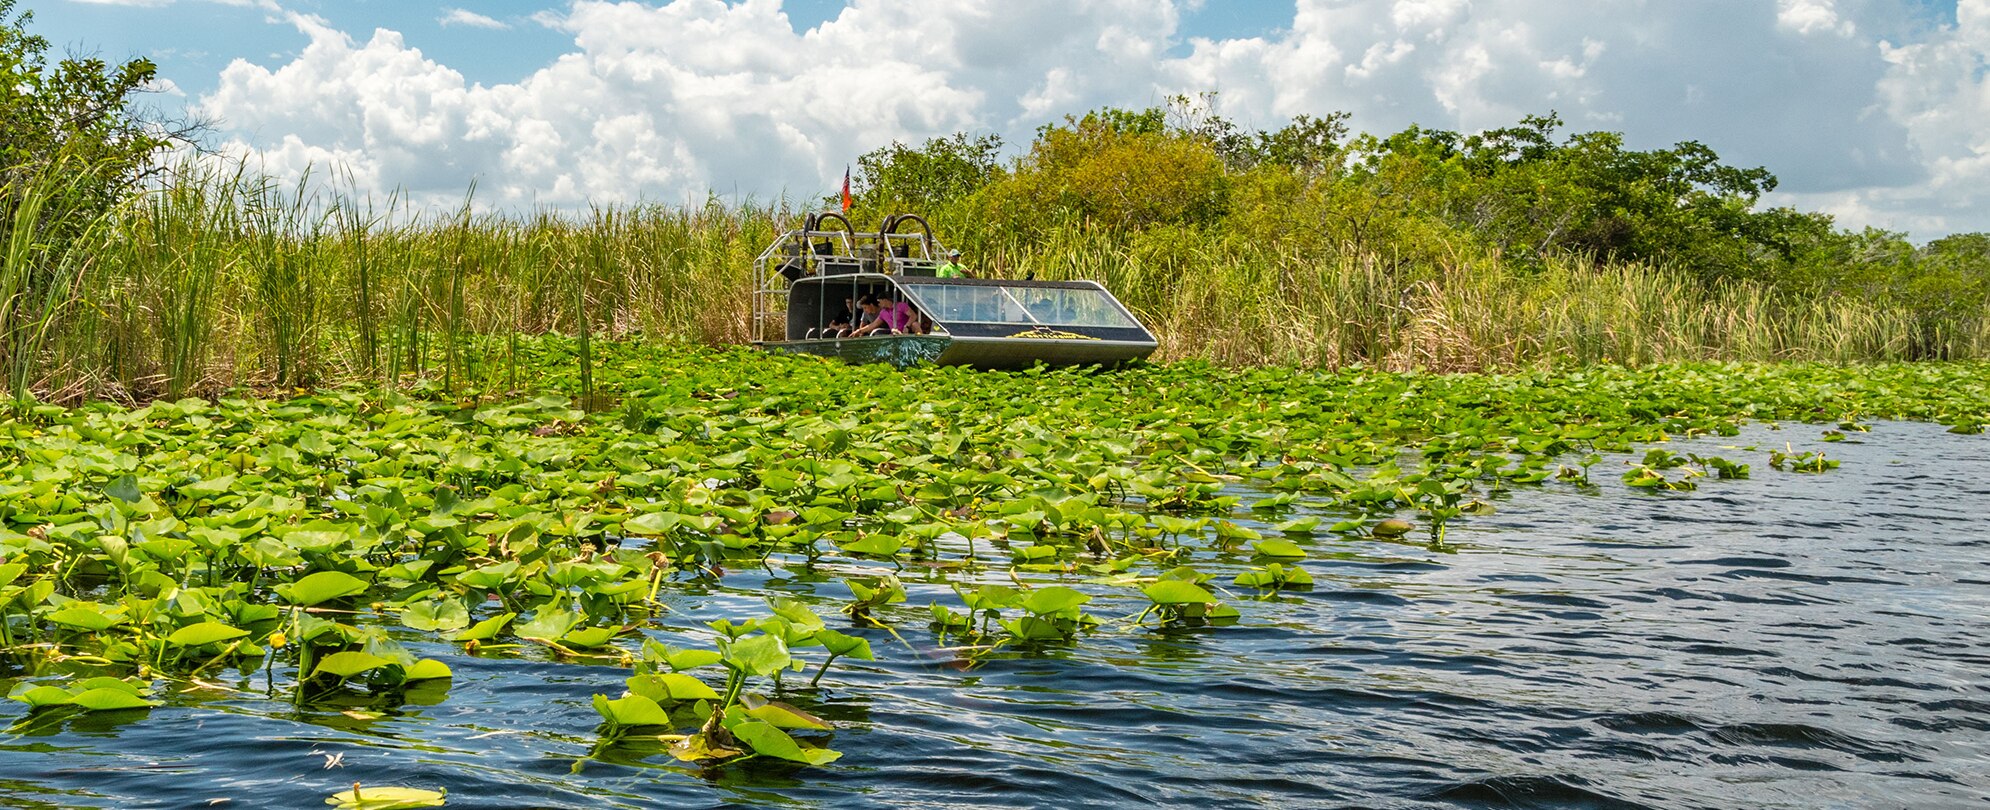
(1786, 641)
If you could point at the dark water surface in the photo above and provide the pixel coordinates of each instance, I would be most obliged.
(1786, 641)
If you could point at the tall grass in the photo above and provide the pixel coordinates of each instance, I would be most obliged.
(220, 280)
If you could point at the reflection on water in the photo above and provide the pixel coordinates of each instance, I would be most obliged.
(1786, 641)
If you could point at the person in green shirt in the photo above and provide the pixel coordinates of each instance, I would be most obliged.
(952, 268)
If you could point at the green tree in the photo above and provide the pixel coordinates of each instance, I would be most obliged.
(943, 172)
(71, 147)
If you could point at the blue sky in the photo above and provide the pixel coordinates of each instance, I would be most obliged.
(1877, 111)
(192, 42)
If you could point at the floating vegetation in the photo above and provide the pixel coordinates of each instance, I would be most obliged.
(306, 541)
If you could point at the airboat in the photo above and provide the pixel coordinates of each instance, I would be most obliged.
(813, 277)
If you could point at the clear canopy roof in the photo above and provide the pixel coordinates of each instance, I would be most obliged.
(1045, 306)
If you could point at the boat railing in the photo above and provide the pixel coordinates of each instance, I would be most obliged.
(818, 250)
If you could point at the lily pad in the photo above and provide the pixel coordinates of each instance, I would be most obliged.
(386, 798)
(348, 664)
(321, 587)
(767, 740)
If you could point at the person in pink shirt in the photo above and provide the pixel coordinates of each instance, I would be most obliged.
(894, 316)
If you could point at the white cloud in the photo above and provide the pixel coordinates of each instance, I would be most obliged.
(466, 17)
(1811, 16)
(666, 101)
(165, 87)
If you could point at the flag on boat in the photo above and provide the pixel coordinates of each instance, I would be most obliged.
(846, 188)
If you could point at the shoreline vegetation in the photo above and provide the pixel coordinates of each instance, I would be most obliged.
(219, 281)
(126, 276)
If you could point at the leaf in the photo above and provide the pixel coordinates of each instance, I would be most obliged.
(590, 636)
(323, 586)
(766, 740)
(876, 545)
(795, 612)
(1282, 549)
(549, 624)
(123, 488)
(486, 629)
(103, 700)
(436, 615)
(671, 687)
(427, 669)
(210, 488)
(195, 635)
(843, 644)
(349, 663)
(990, 597)
(386, 798)
(634, 710)
(1177, 592)
(652, 523)
(107, 682)
(945, 618)
(80, 616)
(1054, 599)
(781, 715)
(39, 697)
(681, 660)
(489, 577)
(1031, 628)
(761, 655)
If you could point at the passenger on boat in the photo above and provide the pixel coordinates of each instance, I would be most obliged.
(840, 323)
(867, 314)
(894, 317)
(951, 268)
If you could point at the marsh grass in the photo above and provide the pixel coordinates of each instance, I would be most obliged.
(221, 279)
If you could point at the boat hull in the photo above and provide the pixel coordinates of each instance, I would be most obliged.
(985, 353)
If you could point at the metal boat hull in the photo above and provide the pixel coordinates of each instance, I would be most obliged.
(976, 352)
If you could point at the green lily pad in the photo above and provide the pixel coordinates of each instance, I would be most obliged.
(843, 644)
(123, 488)
(84, 618)
(321, 587)
(590, 636)
(38, 697)
(1282, 549)
(781, 715)
(485, 630)
(761, 655)
(767, 740)
(103, 700)
(348, 664)
(671, 687)
(1054, 599)
(436, 615)
(633, 710)
(1177, 592)
(427, 669)
(386, 798)
(202, 633)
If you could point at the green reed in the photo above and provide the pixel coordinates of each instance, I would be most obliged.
(220, 279)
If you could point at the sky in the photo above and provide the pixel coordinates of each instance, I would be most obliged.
(1875, 111)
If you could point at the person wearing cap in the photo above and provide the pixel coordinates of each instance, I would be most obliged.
(952, 268)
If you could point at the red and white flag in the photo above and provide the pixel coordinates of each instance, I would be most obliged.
(846, 189)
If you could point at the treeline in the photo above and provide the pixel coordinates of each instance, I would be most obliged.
(1182, 189)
